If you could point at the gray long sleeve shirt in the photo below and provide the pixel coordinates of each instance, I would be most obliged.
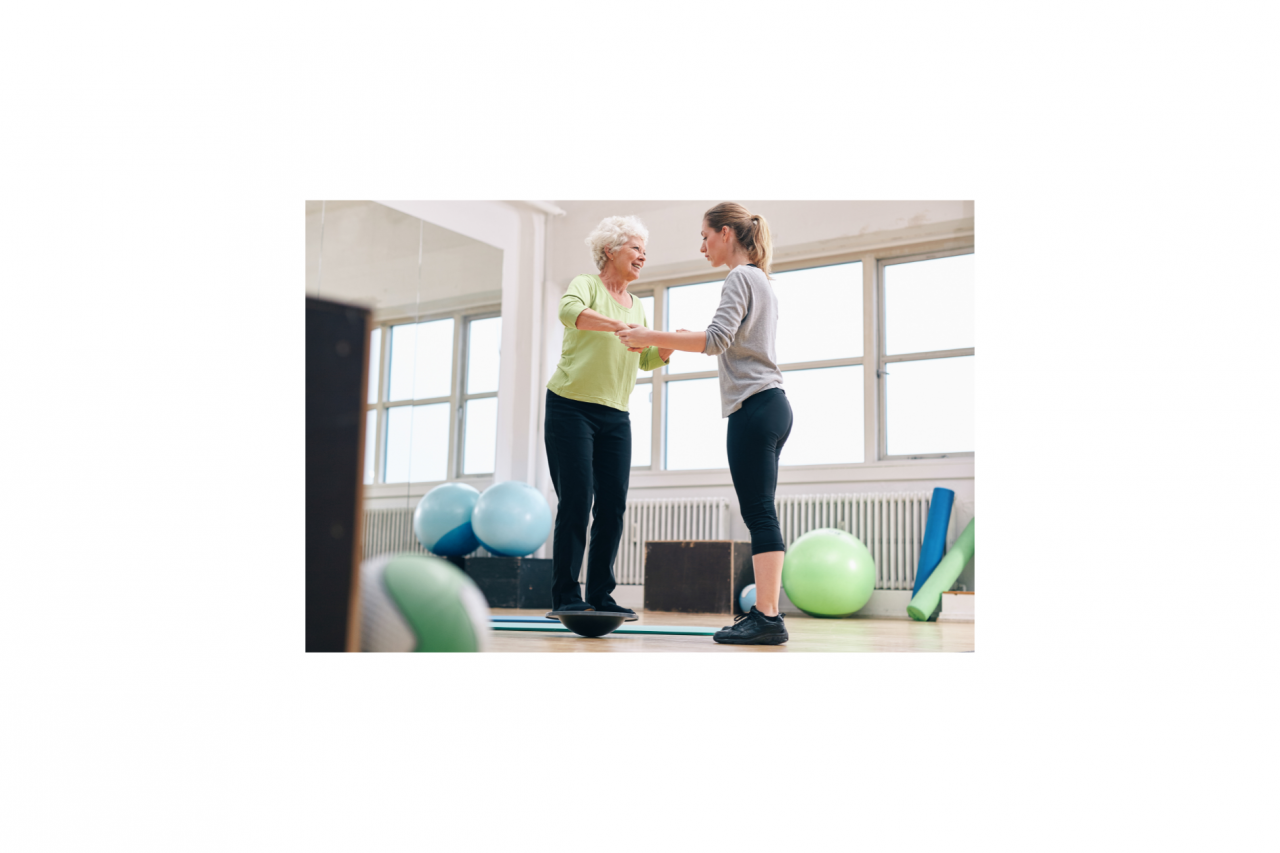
(742, 334)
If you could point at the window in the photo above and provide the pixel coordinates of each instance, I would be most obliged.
(827, 404)
(876, 352)
(480, 400)
(819, 350)
(694, 434)
(820, 354)
(641, 409)
(927, 356)
(692, 306)
(433, 399)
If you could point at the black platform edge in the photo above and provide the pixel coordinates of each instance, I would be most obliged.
(590, 623)
(556, 614)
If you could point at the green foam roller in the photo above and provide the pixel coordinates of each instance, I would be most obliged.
(925, 603)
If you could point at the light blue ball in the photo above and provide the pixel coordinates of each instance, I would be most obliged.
(442, 521)
(747, 599)
(511, 519)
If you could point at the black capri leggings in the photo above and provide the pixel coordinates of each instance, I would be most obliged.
(757, 432)
(589, 454)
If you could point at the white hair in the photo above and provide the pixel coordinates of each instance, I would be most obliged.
(611, 233)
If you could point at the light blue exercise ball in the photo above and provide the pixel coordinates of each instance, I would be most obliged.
(511, 519)
(442, 521)
(747, 599)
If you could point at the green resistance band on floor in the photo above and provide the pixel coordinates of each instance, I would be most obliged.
(924, 604)
(557, 628)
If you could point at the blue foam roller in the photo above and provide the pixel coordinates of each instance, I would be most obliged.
(935, 535)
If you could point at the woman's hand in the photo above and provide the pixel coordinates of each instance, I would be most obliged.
(633, 349)
(636, 338)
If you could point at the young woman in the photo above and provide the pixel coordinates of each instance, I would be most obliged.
(742, 335)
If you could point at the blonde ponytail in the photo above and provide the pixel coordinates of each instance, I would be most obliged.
(750, 229)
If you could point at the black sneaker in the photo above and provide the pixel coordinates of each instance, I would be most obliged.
(614, 607)
(754, 629)
(572, 606)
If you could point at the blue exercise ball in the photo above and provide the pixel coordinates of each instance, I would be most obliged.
(747, 599)
(511, 519)
(442, 521)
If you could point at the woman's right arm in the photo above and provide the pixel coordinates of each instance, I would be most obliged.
(590, 321)
(576, 313)
(735, 300)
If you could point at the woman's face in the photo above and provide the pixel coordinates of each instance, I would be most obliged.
(628, 259)
(716, 245)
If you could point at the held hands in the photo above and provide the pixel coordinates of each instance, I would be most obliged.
(635, 338)
(620, 327)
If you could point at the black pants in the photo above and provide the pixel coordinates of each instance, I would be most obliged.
(589, 453)
(757, 432)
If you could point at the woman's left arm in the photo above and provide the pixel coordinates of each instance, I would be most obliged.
(639, 336)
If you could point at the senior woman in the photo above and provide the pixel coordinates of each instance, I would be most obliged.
(587, 428)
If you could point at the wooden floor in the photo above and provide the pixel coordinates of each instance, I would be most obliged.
(807, 635)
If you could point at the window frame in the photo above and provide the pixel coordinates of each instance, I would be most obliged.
(648, 377)
(457, 398)
(465, 397)
(651, 377)
(873, 261)
(883, 360)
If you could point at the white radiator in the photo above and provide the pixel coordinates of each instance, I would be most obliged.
(653, 521)
(390, 531)
(891, 525)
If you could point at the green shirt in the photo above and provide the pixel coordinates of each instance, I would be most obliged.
(595, 367)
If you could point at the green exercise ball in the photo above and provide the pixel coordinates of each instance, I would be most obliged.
(829, 573)
(417, 603)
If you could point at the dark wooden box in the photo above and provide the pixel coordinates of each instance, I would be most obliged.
(696, 576)
(460, 562)
(512, 581)
(337, 371)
